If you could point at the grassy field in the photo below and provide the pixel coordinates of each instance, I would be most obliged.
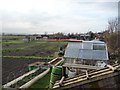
(33, 48)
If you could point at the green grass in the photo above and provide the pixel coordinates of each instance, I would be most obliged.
(12, 42)
(12, 37)
(43, 82)
(19, 46)
(32, 50)
(28, 57)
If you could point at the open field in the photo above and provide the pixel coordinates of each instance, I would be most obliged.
(17, 54)
(34, 48)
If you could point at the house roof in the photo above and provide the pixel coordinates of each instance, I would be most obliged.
(95, 50)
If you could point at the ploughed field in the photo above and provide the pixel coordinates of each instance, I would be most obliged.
(17, 54)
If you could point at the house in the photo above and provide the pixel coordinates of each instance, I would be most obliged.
(85, 37)
(38, 37)
(86, 52)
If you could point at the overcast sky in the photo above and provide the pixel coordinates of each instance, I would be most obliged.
(51, 16)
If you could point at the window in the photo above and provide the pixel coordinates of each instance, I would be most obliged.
(98, 47)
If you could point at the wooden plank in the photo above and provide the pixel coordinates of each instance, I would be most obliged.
(111, 67)
(87, 75)
(19, 78)
(84, 76)
(50, 62)
(28, 84)
(84, 80)
(86, 72)
(61, 81)
(90, 74)
(59, 62)
(94, 74)
(81, 66)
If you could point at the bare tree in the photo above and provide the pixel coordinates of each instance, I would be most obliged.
(113, 25)
(112, 38)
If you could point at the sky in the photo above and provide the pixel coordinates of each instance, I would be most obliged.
(52, 16)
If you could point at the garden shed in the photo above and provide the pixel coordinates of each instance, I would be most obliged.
(86, 52)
